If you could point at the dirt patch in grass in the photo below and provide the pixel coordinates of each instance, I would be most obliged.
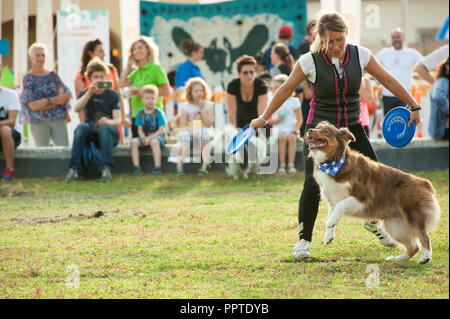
(57, 219)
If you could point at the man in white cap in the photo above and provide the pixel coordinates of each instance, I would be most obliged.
(285, 35)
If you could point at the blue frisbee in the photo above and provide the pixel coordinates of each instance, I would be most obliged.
(395, 127)
(240, 139)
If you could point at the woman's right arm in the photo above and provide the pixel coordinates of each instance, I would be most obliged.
(232, 108)
(123, 80)
(284, 91)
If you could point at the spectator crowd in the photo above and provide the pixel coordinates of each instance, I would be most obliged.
(100, 92)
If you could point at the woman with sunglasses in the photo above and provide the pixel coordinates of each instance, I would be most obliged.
(246, 95)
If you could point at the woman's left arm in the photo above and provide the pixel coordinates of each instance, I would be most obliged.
(375, 69)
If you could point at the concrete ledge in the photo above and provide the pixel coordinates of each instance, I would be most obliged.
(420, 154)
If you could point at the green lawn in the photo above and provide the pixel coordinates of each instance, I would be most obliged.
(197, 237)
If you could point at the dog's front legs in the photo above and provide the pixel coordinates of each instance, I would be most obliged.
(329, 232)
(344, 206)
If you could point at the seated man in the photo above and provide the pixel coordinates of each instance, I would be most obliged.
(102, 121)
(9, 137)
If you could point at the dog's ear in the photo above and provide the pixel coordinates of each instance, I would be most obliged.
(346, 135)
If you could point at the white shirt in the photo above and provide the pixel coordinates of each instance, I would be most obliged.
(435, 58)
(193, 111)
(309, 68)
(287, 110)
(400, 63)
(8, 101)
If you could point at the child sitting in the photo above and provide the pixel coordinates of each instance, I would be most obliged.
(151, 124)
(287, 121)
(198, 109)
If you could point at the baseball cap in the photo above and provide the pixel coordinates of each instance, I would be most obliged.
(285, 31)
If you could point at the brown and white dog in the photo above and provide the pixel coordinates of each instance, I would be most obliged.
(363, 188)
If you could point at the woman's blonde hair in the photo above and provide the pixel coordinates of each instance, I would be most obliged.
(35, 46)
(153, 49)
(328, 21)
(190, 85)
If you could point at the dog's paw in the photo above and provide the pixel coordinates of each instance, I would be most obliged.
(398, 258)
(332, 222)
(424, 261)
(329, 236)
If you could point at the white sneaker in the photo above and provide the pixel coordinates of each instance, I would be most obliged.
(302, 249)
(282, 169)
(384, 239)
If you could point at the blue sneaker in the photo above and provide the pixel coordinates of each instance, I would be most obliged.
(156, 171)
(8, 175)
(137, 171)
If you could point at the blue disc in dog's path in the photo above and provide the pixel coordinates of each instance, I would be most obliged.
(395, 127)
(240, 139)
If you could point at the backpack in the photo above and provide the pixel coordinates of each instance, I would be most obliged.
(91, 161)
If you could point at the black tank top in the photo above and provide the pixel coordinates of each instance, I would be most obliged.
(336, 99)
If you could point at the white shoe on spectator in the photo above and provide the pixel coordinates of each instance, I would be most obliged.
(291, 168)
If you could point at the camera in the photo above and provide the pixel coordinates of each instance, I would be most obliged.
(104, 84)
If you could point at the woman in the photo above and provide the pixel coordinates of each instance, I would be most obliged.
(246, 95)
(281, 59)
(44, 101)
(438, 125)
(95, 48)
(143, 68)
(189, 68)
(332, 60)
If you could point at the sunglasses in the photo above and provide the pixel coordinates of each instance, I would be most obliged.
(248, 72)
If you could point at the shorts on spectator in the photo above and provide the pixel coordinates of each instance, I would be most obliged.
(206, 135)
(17, 137)
(286, 129)
(161, 140)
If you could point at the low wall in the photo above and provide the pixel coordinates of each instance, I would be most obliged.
(419, 155)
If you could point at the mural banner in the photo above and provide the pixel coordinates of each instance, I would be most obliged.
(226, 30)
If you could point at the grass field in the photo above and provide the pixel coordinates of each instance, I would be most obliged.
(197, 237)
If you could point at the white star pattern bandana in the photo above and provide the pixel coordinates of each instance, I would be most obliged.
(332, 167)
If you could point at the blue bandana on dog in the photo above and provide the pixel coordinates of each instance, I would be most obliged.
(332, 167)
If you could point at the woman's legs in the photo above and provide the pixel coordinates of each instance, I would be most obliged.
(309, 199)
(41, 133)
(59, 132)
